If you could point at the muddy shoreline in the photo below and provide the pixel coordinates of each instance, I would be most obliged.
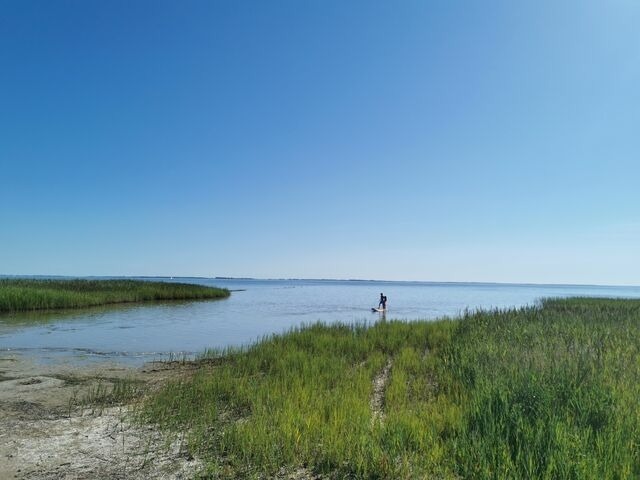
(49, 428)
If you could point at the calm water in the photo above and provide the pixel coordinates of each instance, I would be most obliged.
(135, 334)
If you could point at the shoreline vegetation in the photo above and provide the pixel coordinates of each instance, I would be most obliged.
(538, 392)
(19, 295)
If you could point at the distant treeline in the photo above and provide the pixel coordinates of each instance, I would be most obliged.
(28, 294)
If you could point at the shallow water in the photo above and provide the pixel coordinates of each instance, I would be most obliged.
(134, 334)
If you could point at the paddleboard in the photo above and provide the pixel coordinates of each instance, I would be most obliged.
(380, 310)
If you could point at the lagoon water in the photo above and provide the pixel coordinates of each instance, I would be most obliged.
(135, 334)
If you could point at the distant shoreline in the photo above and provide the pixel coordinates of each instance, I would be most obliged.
(350, 280)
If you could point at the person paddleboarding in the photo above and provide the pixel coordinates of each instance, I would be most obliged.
(382, 304)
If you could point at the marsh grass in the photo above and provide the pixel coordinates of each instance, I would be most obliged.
(107, 393)
(545, 392)
(27, 294)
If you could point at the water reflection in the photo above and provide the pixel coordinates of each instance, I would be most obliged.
(43, 317)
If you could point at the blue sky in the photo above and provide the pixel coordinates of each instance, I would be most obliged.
(417, 140)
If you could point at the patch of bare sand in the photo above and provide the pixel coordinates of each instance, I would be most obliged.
(44, 434)
(379, 387)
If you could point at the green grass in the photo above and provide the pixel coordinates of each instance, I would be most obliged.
(548, 393)
(26, 294)
(107, 393)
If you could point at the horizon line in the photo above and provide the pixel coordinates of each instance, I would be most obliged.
(220, 277)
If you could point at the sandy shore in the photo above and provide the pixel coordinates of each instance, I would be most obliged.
(45, 432)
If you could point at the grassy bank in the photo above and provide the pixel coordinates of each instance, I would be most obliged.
(549, 392)
(26, 294)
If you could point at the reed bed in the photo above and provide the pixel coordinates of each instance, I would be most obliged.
(548, 392)
(28, 294)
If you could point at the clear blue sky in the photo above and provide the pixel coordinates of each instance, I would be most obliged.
(415, 140)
